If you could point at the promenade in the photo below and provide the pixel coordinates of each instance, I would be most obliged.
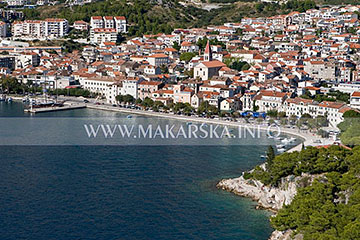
(308, 139)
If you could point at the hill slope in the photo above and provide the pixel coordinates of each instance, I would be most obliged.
(163, 15)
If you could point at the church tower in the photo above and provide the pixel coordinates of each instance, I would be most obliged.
(208, 53)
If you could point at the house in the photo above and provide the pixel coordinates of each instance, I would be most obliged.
(182, 94)
(146, 88)
(81, 25)
(230, 104)
(208, 68)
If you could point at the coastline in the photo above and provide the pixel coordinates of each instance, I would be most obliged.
(306, 137)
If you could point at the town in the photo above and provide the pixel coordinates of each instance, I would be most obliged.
(294, 65)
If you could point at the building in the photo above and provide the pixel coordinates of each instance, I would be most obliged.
(7, 62)
(49, 28)
(81, 25)
(3, 29)
(270, 100)
(120, 24)
(101, 35)
(109, 22)
(15, 3)
(158, 59)
(146, 88)
(355, 100)
(96, 22)
(209, 67)
(55, 27)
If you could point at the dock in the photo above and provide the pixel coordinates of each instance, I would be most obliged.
(54, 109)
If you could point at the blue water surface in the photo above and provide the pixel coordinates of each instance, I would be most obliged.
(124, 192)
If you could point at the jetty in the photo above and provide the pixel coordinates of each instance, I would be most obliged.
(55, 108)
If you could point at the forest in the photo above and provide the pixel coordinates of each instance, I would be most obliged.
(328, 207)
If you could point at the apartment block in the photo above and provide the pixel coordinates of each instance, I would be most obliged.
(117, 22)
(101, 35)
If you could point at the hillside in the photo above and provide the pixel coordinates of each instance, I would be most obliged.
(154, 17)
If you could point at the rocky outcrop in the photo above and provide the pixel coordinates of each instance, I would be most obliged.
(285, 235)
(272, 198)
(268, 197)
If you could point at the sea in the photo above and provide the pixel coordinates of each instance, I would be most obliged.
(135, 191)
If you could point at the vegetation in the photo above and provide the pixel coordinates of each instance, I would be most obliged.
(327, 208)
(151, 17)
(331, 96)
(11, 85)
(207, 109)
(237, 64)
(187, 56)
(350, 128)
(203, 41)
(125, 99)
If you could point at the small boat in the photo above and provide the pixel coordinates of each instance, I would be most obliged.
(2, 98)
(10, 99)
(281, 150)
(263, 156)
(292, 139)
(280, 146)
(285, 141)
(128, 116)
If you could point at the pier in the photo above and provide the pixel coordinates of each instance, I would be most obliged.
(53, 109)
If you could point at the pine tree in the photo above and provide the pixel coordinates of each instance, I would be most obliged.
(270, 155)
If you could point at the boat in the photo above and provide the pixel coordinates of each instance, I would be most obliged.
(2, 98)
(280, 146)
(128, 116)
(281, 150)
(292, 139)
(285, 141)
(263, 156)
(10, 99)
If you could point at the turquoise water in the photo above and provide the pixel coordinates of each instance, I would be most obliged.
(124, 192)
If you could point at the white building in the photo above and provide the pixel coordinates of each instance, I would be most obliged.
(56, 27)
(96, 22)
(158, 59)
(117, 22)
(120, 24)
(109, 22)
(14, 3)
(355, 100)
(49, 28)
(101, 35)
(270, 100)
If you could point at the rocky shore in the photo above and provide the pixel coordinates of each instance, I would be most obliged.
(268, 197)
(272, 198)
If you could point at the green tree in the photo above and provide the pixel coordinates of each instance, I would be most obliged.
(187, 56)
(270, 156)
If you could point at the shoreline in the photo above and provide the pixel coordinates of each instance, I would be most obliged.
(306, 138)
